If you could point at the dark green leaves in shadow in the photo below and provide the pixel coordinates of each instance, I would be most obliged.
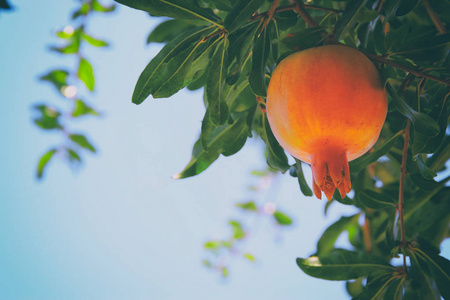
(179, 9)
(347, 20)
(240, 14)
(365, 160)
(374, 200)
(276, 158)
(326, 242)
(297, 171)
(165, 74)
(226, 139)
(423, 123)
(261, 51)
(214, 89)
(342, 264)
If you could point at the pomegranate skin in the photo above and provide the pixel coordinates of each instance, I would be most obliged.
(326, 106)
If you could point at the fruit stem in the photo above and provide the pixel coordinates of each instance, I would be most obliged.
(401, 204)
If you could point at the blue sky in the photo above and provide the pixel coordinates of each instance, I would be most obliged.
(120, 227)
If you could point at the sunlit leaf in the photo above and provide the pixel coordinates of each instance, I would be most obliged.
(82, 141)
(251, 206)
(282, 218)
(93, 41)
(97, 6)
(43, 161)
(86, 74)
(57, 77)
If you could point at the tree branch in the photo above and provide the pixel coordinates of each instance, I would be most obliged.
(414, 72)
(401, 203)
(434, 17)
(299, 7)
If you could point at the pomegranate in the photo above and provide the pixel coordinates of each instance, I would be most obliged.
(326, 106)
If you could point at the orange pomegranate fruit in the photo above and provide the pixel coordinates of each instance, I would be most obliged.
(326, 106)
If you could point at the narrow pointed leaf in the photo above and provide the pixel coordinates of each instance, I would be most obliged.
(223, 139)
(348, 18)
(43, 161)
(57, 77)
(306, 190)
(261, 50)
(326, 242)
(423, 123)
(82, 141)
(282, 218)
(146, 82)
(93, 41)
(374, 200)
(178, 9)
(365, 160)
(241, 13)
(217, 106)
(86, 74)
(440, 270)
(276, 158)
(343, 265)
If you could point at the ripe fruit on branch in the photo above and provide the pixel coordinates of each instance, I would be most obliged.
(326, 106)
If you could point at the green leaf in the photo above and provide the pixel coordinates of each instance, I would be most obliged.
(326, 242)
(214, 89)
(249, 257)
(98, 7)
(440, 270)
(83, 11)
(73, 156)
(152, 72)
(224, 139)
(306, 190)
(248, 206)
(423, 123)
(374, 200)
(4, 5)
(276, 158)
(57, 77)
(93, 41)
(212, 245)
(43, 161)
(48, 118)
(82, 141)
(241, 13)
(174, 76)
(240, 42)
(282, 218)
(238, 232)
(305, 39)
(261, 51)
(343, 265)
(346, 22)
(81, 109)
(168, 30)
(86, 74)
(177, 9)
(360, 163)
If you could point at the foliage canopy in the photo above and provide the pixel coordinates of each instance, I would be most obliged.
(231, 47)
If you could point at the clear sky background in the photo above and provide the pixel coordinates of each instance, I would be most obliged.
(119, 227)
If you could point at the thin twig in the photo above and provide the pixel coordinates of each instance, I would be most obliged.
(434, 17)
(416, 73)
(299, 7)
(401, 203)
(270, 13)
